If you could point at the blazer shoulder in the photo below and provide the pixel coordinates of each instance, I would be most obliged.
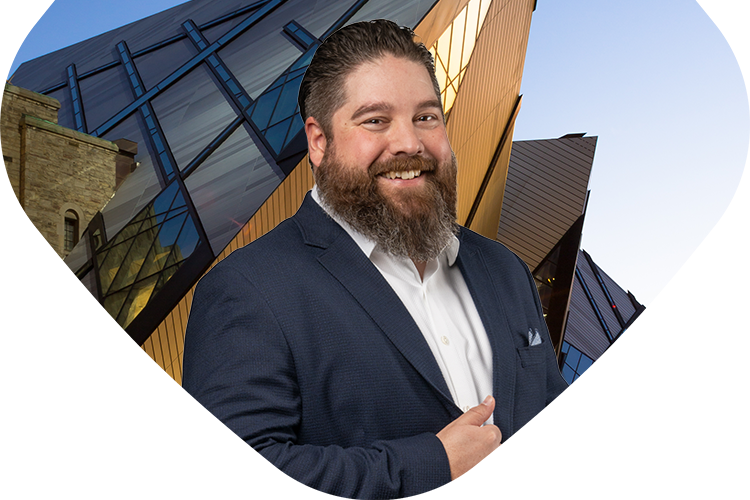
(491, 249)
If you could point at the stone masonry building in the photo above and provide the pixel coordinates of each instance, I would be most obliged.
(61, 177)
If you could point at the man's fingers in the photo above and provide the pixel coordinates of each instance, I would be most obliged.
(478, 414)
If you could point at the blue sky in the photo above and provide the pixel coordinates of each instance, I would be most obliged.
(660, 87)
(655, 81)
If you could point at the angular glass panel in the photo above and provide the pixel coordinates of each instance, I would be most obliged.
(584, 364)
(133, 261)
(263, 108)
(139, 188)
(276, 134)
(215, 32)
(258, 56)
(187, 241)
(304, 61)
(545, 293)
(457, 43)
(113, 303)
(484, 7)
(80, 254)
(472, 26)
(568, 374)
(140, 293)
(452, 50)
(305, 37)
(109, 262)
(170, 230)
(398, 11)
(230, 186)
(297, 125)
(192, 113)
(288, 101)
(440, 72)
(573, 356)
(157, 65)
(165, 276)
(171, 260)
(104, 95)
(164, 201)
(162, 246)
(89, 281)
(296, 73)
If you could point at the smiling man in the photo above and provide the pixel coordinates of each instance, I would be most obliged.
(369, 346)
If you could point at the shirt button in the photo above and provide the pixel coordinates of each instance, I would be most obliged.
(466, 408)
(445, 340)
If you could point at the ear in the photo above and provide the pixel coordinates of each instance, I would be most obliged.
(316, 140)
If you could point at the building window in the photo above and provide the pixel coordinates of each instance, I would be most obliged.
(71, 230)
(574, 363)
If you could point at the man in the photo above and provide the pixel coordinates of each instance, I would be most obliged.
(369, 346)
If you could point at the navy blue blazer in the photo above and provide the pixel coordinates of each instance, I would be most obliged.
(299, 345)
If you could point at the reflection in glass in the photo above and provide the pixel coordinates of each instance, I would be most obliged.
(140, 187)
(574, 362)
(280, 103)
(230, 186)
(192, 113)
(104, 94)
(162, 236)
(454, 47)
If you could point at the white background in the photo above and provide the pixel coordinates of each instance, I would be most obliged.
(86, 414)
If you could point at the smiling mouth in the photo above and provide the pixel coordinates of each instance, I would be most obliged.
(405, 175)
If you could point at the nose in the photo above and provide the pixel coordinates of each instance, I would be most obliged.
(405, 139)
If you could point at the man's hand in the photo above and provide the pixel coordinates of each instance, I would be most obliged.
(466, 442)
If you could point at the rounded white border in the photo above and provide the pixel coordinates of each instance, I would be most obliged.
(87, 414)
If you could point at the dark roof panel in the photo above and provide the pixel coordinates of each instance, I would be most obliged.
(545, 193)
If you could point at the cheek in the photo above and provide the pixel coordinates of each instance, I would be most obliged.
(362, 150)
(438, 146)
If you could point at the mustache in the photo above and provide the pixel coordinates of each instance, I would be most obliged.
(403, 164)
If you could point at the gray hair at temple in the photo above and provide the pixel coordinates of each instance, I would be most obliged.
(322, 89)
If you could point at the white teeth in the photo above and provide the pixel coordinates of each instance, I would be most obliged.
(410, 174)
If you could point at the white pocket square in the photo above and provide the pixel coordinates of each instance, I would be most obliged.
(534, 337)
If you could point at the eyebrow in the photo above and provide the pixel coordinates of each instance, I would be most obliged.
(382, 106)
(370, 108)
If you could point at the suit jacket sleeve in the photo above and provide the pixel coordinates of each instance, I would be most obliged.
(238, 365)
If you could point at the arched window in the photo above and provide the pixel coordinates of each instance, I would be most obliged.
(71, 230)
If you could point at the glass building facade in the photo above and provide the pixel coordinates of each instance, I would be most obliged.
(208, 90)
(204, 95)
(598, 311)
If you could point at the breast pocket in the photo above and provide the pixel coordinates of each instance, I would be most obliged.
(531, 355)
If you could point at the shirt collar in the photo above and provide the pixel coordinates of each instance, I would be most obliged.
(366, 244)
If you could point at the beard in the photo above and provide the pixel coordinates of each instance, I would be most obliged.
(417, 222)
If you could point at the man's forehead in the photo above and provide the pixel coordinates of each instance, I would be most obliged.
(374, 67)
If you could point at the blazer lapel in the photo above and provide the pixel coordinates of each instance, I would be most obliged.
(483, 291)
(347, 263)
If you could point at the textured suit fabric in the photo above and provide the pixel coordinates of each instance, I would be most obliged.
(299, 345)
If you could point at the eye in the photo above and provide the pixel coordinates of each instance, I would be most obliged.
(375, 123)
(428, 120)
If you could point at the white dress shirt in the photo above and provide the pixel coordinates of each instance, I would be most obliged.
(442, 308)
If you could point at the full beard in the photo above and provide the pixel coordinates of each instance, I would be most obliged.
(417, 223)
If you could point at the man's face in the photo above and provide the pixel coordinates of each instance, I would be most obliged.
(389, 170)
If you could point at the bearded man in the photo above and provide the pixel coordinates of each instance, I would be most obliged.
(369, 346)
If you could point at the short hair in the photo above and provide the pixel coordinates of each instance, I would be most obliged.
(322, 89)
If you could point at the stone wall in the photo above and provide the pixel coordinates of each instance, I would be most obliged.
(53, 169)
(16, 103)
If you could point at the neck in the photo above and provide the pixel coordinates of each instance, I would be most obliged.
(420, 267)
